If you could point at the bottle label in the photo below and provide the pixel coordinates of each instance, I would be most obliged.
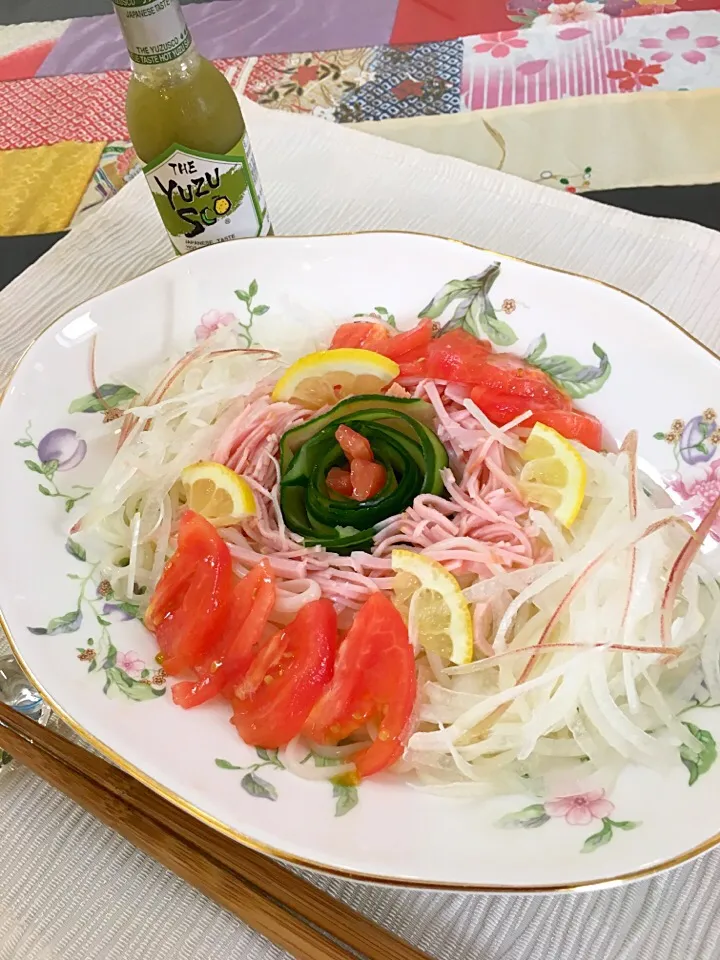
(205, 198)
(155, 30)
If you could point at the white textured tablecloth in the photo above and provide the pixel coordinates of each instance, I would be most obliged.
(70, 889)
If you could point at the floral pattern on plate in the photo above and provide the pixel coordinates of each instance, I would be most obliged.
(126, 674)
(345, 795)
(578, 810)
(118, 653)
(697, 477)
(699, 763)
(476, 314)
(214, 319)
(59, 450)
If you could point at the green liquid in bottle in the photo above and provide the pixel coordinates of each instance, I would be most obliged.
(187, 127)
(189, 103)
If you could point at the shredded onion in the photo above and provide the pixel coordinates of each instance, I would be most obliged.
(581, 678)
(589, 643)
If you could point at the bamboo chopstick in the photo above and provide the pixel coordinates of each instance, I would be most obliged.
(283, 907)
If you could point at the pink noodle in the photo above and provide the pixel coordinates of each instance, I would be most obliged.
(481, 524)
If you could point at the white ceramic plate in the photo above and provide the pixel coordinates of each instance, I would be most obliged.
(96, 668)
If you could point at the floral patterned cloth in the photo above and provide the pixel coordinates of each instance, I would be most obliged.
(79, 891)
(534, 52)
(573, 49)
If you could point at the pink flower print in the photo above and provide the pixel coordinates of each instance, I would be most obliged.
(131, 662)
(582, 808)
(636, 74)
(701, 481)
(210, 321)
(679, 40)
(500, 45)
(562, 13)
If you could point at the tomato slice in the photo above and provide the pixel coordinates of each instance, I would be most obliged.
(188, 609)
(367, 479)
(195, 536)
(572, 424)
(502, 408)
(249, 608)
(365, 334)
(340, 481)
(413, 369)
(410, 344)
(506, 374)
(374, 680)
(354, 445)
(419, 353)
(287, 677)
(582, 427)
(457, 356)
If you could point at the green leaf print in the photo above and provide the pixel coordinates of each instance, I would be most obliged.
(528, 818)
(131, 609)
(253, 311)
(75, 549)
(698, 761)
(346, 798)
(442, 300)
(270, 756)
(536, 349)
(481, 318)
(110, 656)
(225, 764)
(576, 379)
(474, 313)
(131, 688)
(67, 623)
(108, 395)
(383, 314)
(598, 839)
(257, 787)
(388, 317)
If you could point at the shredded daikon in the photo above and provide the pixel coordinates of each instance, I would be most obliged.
(578, 680)
(590, 643)
(181, 410)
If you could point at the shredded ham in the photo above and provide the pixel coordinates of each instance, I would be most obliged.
(483, 524)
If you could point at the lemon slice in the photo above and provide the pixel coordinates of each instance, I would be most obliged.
(217, 493)
(442, 613)
(330, 375)
(554, 474)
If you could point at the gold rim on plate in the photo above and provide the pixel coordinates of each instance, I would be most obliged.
(178, 801)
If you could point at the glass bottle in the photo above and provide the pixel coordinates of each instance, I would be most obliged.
(187, 127)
